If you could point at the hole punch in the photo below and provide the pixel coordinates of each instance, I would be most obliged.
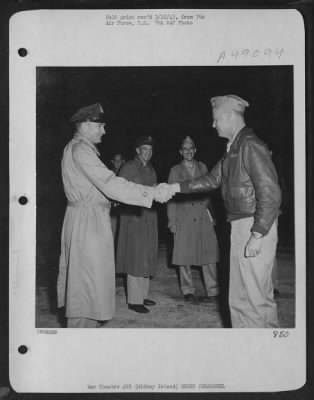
(22, 52)
(23, 200)
(23, 349)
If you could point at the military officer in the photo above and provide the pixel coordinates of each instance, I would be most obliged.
(138, 232)
(86, 281)
(252, 197)
(190, 220)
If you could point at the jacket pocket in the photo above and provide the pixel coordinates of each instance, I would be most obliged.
(241, 200)
(241, 192)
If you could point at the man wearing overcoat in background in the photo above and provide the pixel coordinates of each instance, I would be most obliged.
(137, 245)
(191, 222)
(252, 198)
(86, 281)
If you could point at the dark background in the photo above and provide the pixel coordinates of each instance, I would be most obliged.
(167, 103)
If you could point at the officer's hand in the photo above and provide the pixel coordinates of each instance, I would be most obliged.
(253, 247)
(164, 192)
(173, 228)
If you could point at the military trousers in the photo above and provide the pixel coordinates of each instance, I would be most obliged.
(137, 289)
(209, 275)
(251, 297)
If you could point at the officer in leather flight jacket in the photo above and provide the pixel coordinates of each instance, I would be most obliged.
(252, 198)
(248, 182)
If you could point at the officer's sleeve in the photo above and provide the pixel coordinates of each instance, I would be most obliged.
(262, 173)
(205, 183)
(108, 183)
(171, 205)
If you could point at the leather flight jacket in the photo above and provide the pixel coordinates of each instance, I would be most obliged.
(248, 181)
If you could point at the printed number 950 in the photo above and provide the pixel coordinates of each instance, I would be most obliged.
(281, 334)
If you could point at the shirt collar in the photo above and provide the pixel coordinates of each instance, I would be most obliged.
(78, 136)
(229, 144)
(140, 162)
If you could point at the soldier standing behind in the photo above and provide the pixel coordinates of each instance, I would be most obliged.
(189, 219)
(137, 245)
(117, 161)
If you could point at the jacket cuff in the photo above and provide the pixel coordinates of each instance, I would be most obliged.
(259, 229)
(148, 197)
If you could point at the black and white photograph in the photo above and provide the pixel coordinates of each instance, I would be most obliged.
(157, 201)
(158, 125)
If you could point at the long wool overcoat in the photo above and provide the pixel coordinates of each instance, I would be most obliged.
(195, 241)
(138, 231)
(86, 281)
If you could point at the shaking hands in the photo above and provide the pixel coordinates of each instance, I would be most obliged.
(164, 192)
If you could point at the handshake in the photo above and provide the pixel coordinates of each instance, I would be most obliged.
(164, 192)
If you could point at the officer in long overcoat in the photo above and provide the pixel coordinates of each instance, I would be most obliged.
(137, 245)
(190, 220)
(86, 281)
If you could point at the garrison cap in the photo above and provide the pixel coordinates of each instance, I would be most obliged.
(187, 140)
(230, 102)
(142, 140)
(93, 113)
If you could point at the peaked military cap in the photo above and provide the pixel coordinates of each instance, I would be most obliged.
(142, 140)
(93, 113)
(229, 102)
